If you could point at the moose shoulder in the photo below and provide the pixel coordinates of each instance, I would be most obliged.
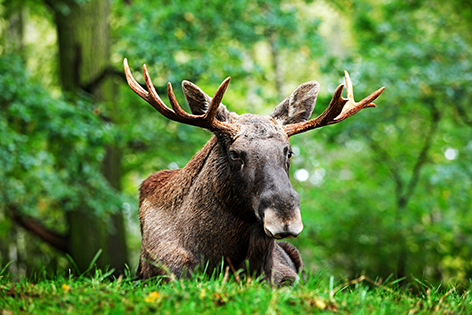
(234, 198)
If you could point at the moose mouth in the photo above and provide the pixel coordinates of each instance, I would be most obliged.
(276, 227)
(278, 236)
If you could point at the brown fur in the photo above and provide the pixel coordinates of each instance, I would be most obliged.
(230, 201)
(170, 198)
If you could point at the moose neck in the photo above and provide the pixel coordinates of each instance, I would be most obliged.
(211, 190)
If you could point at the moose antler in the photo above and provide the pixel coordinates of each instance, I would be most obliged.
(338, 109)
(207, 120)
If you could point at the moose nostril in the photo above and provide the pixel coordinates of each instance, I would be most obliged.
(285, 235)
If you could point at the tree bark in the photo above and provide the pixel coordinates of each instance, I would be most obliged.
(84, 53)
(13, 39)
(13, 43)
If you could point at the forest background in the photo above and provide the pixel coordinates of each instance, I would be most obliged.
(385, 193)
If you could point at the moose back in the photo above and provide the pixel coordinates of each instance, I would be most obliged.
(234, 197)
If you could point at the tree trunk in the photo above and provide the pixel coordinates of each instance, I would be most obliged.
(13, 43)
(14, 31)
(84, 51)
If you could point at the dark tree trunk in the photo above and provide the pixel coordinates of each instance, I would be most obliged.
(84, 51)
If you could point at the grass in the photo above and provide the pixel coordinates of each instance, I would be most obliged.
(98, 294)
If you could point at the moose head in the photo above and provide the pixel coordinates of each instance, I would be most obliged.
(247, 190)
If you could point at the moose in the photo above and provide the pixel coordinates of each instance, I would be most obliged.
(233, 199)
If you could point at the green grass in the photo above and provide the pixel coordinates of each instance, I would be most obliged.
(200, 295)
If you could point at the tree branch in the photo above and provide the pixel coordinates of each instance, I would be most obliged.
(403, 195)
(95, 82)
(463, 115)
(422, 157)
(111, 71)
(385, 158)
(30, 224)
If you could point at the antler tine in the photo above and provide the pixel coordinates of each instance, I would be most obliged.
(334, 108)
(352, 107)
(135, 86)
(338, 109)
(156, 102)
(207, 120)
(175, 105)
(216, 100)
(349, 89)
(151, 97)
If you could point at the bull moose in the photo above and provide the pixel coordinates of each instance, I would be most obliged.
(234, 198)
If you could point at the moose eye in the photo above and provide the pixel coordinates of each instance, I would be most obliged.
(288, 152)
(234, 155)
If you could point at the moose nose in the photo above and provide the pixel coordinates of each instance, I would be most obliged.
(278, 227)
(285, 235)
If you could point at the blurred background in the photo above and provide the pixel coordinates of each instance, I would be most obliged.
(385, 193)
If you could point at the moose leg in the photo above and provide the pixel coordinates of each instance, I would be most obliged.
(287, 264)
(148, 267)
(176, 260)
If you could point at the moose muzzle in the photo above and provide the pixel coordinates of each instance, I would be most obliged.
(282, 226)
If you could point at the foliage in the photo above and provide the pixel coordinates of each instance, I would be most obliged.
(50, 153)
(206, 41)
(49, 147)
(386, 192)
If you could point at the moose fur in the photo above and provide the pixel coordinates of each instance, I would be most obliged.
(205, 213)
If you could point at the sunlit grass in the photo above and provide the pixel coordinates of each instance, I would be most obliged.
(223, 294)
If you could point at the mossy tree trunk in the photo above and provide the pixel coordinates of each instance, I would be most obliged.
(84, 55)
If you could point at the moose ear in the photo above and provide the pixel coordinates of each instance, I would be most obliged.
(198, 101)
(298, 106)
